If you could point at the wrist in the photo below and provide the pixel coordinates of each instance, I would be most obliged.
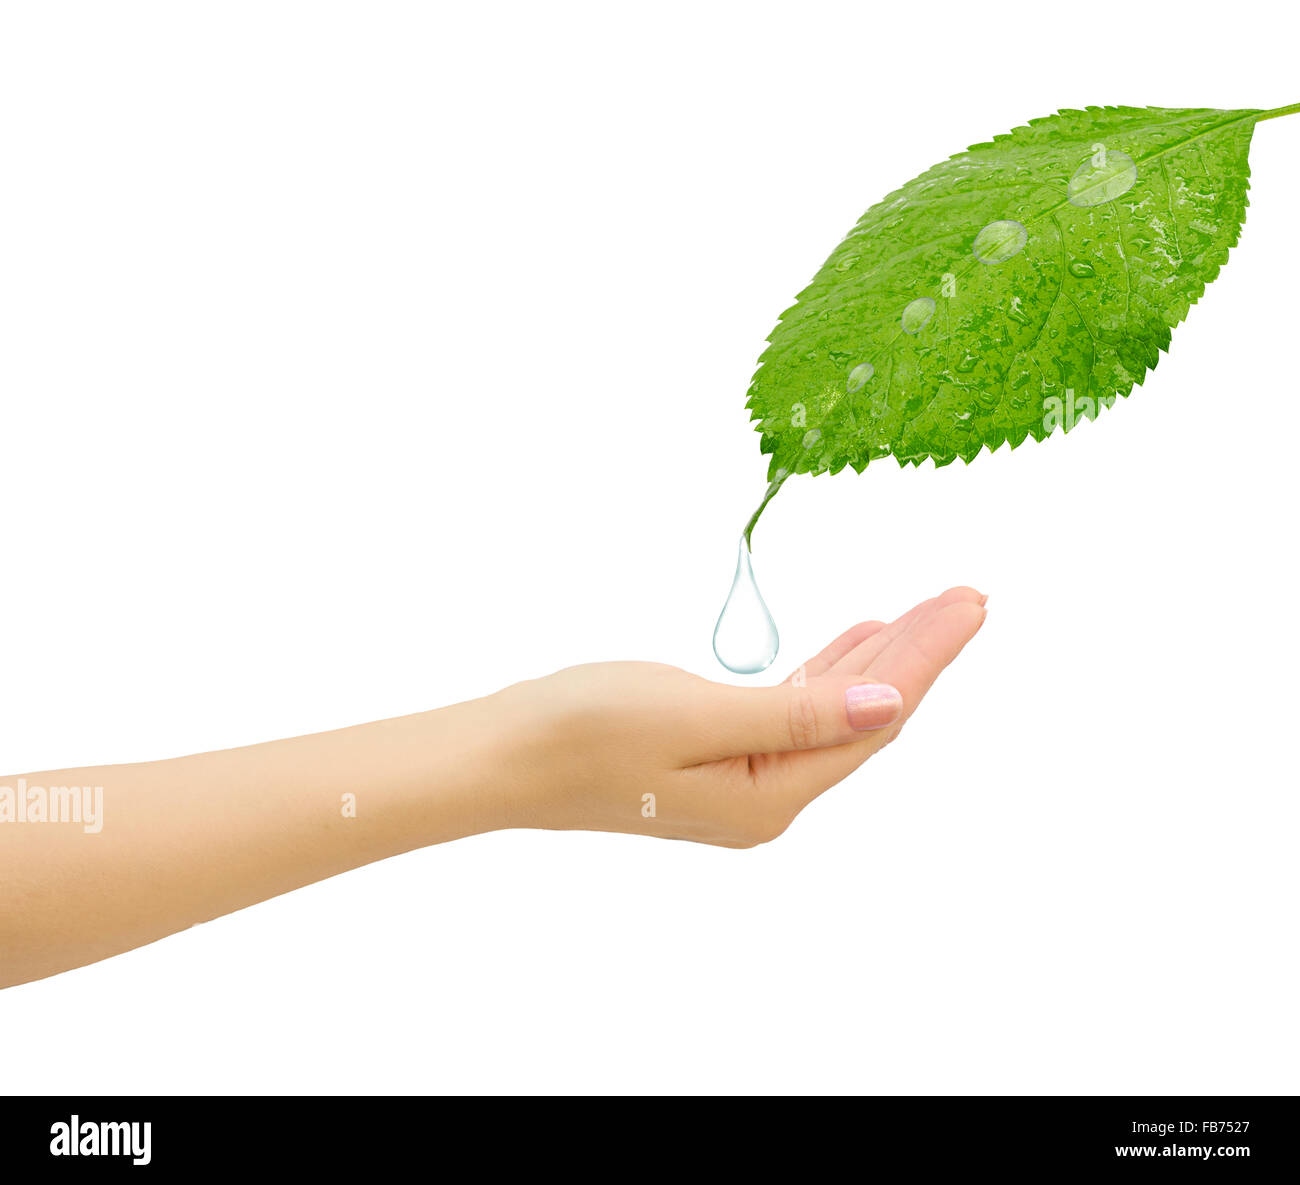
(489, 766)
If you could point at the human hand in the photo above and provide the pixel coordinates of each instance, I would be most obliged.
(631, 747)
(653, 750)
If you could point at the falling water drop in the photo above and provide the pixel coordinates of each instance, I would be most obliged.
(745, 638)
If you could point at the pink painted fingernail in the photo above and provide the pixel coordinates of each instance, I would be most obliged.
(872, 705)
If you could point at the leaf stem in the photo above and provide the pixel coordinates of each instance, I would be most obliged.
(1294, 109)
(771, 493)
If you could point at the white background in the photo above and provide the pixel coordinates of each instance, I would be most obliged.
(360, 358)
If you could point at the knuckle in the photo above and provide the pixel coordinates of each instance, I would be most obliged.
(803, 720)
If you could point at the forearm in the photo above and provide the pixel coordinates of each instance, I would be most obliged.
(177, 842)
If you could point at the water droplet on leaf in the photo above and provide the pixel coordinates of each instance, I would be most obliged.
(1093, 184)
(917, 314)
(999, 241)
(1084, 271)
(859, 375)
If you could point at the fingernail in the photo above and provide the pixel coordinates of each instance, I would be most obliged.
(984, 600)
(872, 705)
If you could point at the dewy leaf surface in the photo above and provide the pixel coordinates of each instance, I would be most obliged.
(1019, 286)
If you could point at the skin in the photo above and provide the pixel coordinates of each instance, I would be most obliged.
(189, 839)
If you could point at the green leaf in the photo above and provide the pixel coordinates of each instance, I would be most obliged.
(1020, 286)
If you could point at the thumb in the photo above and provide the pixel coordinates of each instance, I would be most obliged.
(828, 710)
